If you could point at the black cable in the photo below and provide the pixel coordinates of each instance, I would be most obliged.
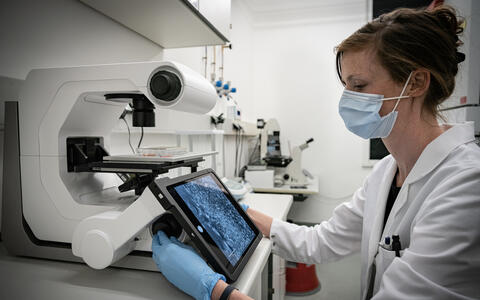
(238, 143)
(129, 141)
(141, 138)
(238, 149)
(236, 153)
(249, 162)
(241, 150)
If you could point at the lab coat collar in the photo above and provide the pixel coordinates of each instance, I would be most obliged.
(431, 157)
(439, 149)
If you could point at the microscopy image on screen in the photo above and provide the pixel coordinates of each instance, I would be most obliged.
(217, 216)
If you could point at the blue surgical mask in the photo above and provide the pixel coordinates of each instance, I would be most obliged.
(359, 111)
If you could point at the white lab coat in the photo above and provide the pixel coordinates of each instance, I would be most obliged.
(436, 215)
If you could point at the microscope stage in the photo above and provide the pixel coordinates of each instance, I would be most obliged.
(156, 158)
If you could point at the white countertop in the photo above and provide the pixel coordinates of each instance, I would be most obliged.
(310, 189)
(276, 206)
(28, 278)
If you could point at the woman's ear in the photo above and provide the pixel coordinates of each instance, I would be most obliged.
(419, 83)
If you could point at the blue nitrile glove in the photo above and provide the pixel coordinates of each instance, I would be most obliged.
(244, 206)
(183, 267)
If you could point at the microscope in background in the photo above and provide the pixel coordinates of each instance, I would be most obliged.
(270, 169)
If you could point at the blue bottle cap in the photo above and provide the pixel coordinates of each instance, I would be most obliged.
(218, 83)
(234, 90)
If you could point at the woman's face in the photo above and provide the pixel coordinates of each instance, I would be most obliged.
(361, 72)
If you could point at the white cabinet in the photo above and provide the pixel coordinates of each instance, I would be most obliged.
(171, 23)
(218, 13)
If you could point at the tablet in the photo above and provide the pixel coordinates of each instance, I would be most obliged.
(214, 221)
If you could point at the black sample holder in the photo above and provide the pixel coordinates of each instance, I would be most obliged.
(85, 154)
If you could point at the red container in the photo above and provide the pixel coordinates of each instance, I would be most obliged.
(301, 279)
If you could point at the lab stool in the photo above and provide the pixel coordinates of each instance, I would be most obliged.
(301, 279)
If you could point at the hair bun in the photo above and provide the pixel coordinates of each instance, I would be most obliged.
(447, 19)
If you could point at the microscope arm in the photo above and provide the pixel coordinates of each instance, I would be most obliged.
(294, 169)
(103, 239)
(305, 145)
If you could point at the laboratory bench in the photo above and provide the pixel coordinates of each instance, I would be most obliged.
(299, 193)
(31, 278)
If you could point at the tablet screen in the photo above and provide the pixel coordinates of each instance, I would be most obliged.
(208, 201)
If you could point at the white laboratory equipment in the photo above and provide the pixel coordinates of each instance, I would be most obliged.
(62, 200)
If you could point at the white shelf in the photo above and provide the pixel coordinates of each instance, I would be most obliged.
(169, 23)
(200, 132)
(180, 123)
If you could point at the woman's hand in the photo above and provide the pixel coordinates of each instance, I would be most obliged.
(183, 267)
(262, 221)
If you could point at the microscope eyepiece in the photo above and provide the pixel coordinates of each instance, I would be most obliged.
(142, 109)
(143, 114)
(165, 85)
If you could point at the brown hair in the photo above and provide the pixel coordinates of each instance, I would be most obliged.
(407, 39)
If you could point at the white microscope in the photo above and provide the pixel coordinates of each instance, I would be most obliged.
(61, 199)
(276, 169)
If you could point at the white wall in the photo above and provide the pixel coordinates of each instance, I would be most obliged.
(52, 33)
(295, 81)
(238, 64)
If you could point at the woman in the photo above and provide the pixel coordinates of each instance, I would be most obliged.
(416, 220)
